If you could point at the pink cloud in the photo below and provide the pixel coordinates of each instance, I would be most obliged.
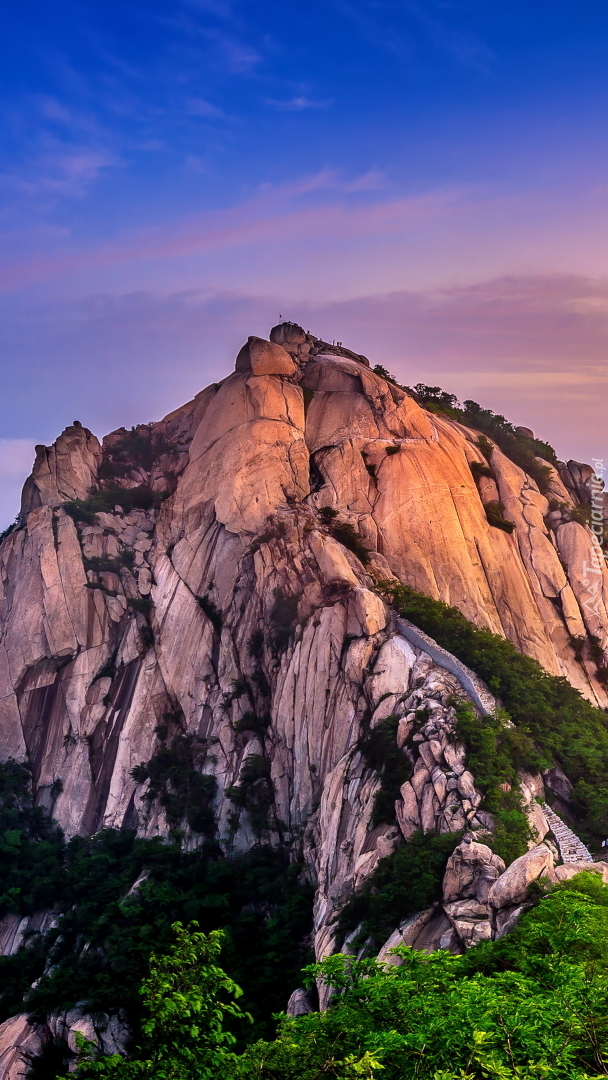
(267, 218)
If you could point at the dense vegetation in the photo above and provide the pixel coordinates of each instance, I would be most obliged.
(185, 999)
(10, 528)
(378, 746)
(105, 933)
(175, 779)
(532, 1006)
(495, 752)
(139, 448)
(405, 882)
(552, 721)
(31, 846)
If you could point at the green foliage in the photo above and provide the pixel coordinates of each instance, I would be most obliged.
(31, 846)
(581, 513)
(495, 515)
(486, 448)
(99, 951)
(344, 533)
(379, 748)
(495, 751)
(555, 720)
(407, 881)
(328, 515)
(383, 372)
(532, 1006)
(521, 449)
(104, 501)
(481, 470)
(175, 779)
(185, 998)
(108, 671)
(512, 834)
(139, 448)
(436, 400)
(250, 721)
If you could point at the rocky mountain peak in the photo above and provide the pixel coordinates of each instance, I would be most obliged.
(209, 595)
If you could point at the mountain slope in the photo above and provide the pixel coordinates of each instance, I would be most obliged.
(208, 586)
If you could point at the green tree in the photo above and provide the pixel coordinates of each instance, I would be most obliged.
(532, 1006)
(186, 998)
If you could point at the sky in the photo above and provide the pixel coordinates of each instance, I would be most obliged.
(424, 180)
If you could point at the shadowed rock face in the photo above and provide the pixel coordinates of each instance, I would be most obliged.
(231, 600)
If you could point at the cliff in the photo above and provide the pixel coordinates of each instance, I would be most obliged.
(214, 578)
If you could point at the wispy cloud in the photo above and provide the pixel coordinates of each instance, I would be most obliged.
(200, 107)
(368, 181)
(64, 170)
(273, 216)
(398, 28)
(219, 8)
(52, 109)
(298, 104)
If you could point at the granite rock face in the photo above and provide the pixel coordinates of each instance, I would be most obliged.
(224, 598)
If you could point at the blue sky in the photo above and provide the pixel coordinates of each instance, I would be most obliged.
(427, 182)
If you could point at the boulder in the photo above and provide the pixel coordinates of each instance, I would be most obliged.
(471, 871)
(366, 613)
(327, 373)
(558, 784)
(564, 873)
(471, 921)
(264, 358)
(406, 809)
(287, 333)
(506, 918)
(512, 886)
(300, 1003)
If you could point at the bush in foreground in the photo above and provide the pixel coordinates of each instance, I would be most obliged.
(531, 1006)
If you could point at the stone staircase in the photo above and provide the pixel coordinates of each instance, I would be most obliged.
(570, 847)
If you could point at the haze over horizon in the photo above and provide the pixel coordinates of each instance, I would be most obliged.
(425, 181)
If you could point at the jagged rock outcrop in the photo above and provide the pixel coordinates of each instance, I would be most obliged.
(223, 597)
